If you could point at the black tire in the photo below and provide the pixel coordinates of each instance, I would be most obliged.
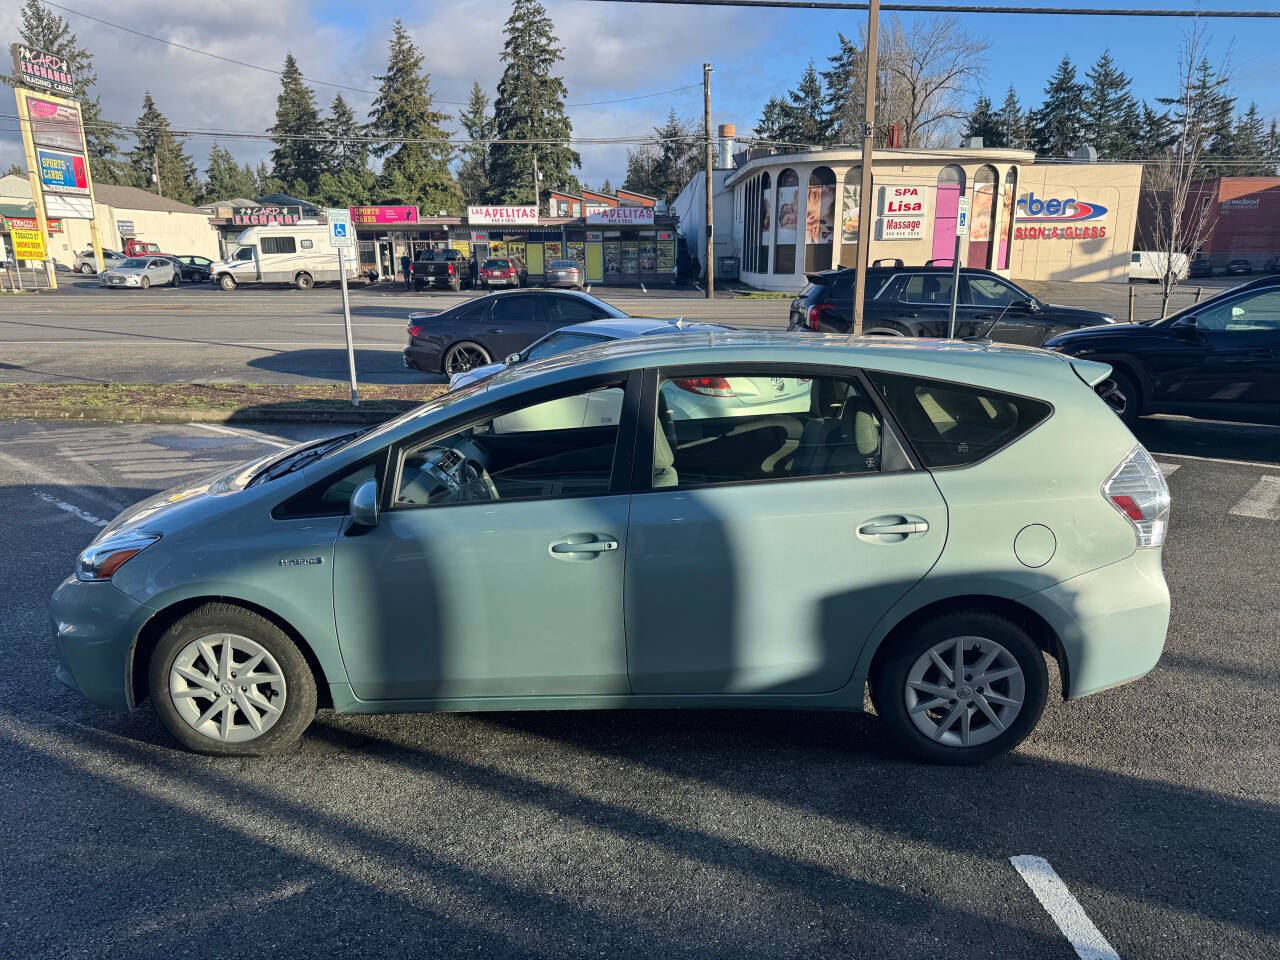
(213, 618)
(145, 283)
(889, 685)
(1122, 394)
(419, 285)
(304, 281)
(451, 357)
(85, 269)
(177, 279)
(227, 282)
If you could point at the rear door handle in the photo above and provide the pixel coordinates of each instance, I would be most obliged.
(579, 547)
(893, 526)
(909, 316)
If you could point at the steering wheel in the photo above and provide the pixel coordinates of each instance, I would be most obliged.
(457, 477)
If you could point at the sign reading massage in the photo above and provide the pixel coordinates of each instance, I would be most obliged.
(501, 216)
(1058, 218)
(265, 216)
(903, 210)
(622, 216)
(39, 69)
(63, 172)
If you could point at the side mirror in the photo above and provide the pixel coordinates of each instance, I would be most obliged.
(1030, 305)
(363, 505)
(512, 358)
(1186, 328)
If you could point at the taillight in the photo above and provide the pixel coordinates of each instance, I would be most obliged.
(815, 316)
(450, 266)
(415, 329)
(1139, 491)
(707, 386)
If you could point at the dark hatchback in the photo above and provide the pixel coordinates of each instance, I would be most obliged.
(916, 302)
(495, 326)
(1218, 359)
(193, 269)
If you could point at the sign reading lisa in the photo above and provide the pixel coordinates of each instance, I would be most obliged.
(901, 201)
(63, 172)
(54, 124)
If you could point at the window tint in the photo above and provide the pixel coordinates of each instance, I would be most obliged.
(306, 244)
(559, 448)
(566, 310)
(497, 264)
(508, 309)
(475, 311)
(927, 288)
(951, 424)
(330, 498)
(1255, 314)
(726, 429)
(279, 245)
(244, 253)
(986, 292)
(559, 343)
(134, 263)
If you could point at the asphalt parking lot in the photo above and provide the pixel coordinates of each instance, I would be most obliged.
(692, 834)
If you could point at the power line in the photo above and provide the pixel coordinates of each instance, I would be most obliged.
(1190, 13)
(328, 83)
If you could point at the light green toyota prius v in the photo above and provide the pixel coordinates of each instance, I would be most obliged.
(722, 519)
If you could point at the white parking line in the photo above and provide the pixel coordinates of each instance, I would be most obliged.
(245, 434)
(1262, 501)
(1084, 937)
(71, 508)
(1236, 463)
(1168, 469)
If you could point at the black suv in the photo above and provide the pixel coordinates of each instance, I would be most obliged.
(916, 302)
(1219, 358)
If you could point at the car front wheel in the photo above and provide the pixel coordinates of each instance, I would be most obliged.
(227, 681)
(145, 283)
(227, 282)
(304, 281)
(960, 688)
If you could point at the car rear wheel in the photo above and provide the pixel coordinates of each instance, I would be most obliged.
(961, 688)
(227, 282)
(884, 332)
(304, 281)
(1122, 395)
(177, 279)
(229, 682)
(145, 283)
(84, 268)
(465, 356)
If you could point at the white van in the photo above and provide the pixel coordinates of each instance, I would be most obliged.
(300, 255)
(1149, 265)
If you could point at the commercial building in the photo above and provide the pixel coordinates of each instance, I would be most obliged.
(1243, 220)
(121, 213)
(781, 216)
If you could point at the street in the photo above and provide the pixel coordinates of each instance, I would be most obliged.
(202, 334)
(639, 834)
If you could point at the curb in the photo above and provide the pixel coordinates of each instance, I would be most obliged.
(112, 414)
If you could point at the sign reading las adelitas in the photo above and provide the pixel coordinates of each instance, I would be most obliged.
(502, 216)
(36, 68)
(621, 216)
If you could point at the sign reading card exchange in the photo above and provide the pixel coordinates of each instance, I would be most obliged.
(36, 68)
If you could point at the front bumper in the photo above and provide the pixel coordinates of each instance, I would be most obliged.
(95, 626)
(1111, 622)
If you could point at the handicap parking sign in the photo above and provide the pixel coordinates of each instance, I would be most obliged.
(341, 235)
(339, 229)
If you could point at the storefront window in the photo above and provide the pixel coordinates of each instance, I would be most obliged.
(1006, 217)
(648, 252)
(820, 219)
(764, 212)
(946, 211)
(612, 252)
(630, 258)
(666, 251)
(850, 209)
(555, 250)
(788, 222)
(980, 222)
(577, 250)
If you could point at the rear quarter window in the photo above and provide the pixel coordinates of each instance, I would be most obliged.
(952, 424)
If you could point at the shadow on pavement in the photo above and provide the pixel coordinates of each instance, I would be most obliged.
(1210, 438)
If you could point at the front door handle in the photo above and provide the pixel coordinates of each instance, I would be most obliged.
(909, 316)
(893, 527)
(583, 546)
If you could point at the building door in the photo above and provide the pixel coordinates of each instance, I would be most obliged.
(595, 262)
(533, 259)
(946, 212)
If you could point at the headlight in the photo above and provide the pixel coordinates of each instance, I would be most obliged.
(101, 560)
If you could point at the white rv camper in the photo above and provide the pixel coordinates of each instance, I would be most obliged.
(298, 254)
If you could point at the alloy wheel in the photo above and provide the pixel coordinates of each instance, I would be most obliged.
(464, 358)
(964, 691)
(227, 687)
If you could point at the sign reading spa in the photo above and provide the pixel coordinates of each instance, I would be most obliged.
(1058, 218)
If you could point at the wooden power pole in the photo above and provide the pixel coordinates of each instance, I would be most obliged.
(710, 260)
(868, 149)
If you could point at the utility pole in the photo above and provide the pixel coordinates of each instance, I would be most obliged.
(710, 260)
(868, 149)
(537, 193)
(155, 173)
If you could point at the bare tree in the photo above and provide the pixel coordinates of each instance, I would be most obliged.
(928, 69)
(1180, 204)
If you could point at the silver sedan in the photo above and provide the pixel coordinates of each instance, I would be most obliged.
(142, 272)
(87, 263)
(564, 273)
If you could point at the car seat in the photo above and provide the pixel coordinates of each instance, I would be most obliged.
(664, 443)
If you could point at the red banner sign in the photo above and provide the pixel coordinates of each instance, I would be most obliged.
(368, 216)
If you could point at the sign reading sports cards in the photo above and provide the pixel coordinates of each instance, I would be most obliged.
(36, 68)
(62, 172)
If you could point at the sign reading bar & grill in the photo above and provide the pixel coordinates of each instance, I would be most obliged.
(265, 216)
(36, 68)
(502, 216)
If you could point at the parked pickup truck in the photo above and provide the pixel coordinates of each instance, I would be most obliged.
(441, 268)
(140, 248)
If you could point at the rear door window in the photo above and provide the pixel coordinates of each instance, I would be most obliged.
(952, 424)
(933, 289)
(567, 310)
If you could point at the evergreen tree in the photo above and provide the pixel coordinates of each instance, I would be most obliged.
(297, 157)
(263, 183)
(45, 30)
(1129, 130)
(607, 187)
(415, 148)
(1155, 132)
(984, 123)
(530, 106)
(1250, 144)
(347, 152)
(160, 152)
(843, 103)
(1273, 150)
(1015, 125)
(661, 170)
(807, 121)
(224, 178)
(773, 122)
(15, 171)
(1059, 126)
(1108, 108)
(473, 174)
(1208, 113)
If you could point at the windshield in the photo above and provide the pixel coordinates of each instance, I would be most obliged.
(563, 264)
(134, 263)
(558, 343)
(497, 264)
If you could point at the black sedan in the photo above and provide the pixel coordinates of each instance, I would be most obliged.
(1218, 359)
(192, 269)
(494, 326)
(916, 302)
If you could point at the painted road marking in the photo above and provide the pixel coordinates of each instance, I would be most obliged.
(1084, 937)
(71, 508)
(1168, 469)
(244, 434)
(1236, 463)
(1262, 501)
(56, 480)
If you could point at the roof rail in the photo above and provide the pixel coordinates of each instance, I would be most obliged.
(895, 262)
(937, 261)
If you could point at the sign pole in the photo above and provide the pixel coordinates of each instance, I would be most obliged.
(33, 172)
(707, 183)
(868, 152)
(962, 231)
(346, 318)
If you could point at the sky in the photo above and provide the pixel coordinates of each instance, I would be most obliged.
(611, 50)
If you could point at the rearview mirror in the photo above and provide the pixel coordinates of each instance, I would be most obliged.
(363, 505)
